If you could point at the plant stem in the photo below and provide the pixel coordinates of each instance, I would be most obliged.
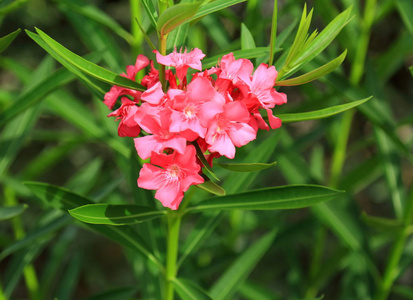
(135, 10)
(174, 222)
(162, 50)
(273, 32)
(28, 271)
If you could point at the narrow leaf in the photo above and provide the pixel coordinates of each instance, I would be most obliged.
(115, 214)
(317, 73)
(405, 8)
(89, 67)
(238, 272)
(283, 197)
(212, 7)
(212, 188)
(5, 41)
(9, 212)
(382, 224)
(320, 114)
(188, 290)
(175, 16)
(150, 11)
(246, 167)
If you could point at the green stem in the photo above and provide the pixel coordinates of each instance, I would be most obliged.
(135, 10)
(174, 222)
(273, 32)
(28, 271)
(162, 50)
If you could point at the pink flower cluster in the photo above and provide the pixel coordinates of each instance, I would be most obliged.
(219, 109)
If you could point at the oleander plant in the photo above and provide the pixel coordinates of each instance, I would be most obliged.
(223, 149)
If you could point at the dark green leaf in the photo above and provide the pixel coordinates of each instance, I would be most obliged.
(283, 197)
(9, 212)
(6, 40)
(245, 167)
(320, 114)
(238, 272)
(175, 16)
(382, 224)
(89, 67)
(115, 214)
(188, 290)
(405, 8)
(123, 293)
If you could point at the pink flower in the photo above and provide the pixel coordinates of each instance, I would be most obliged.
(161, 138)
(116, 91)
(127, 113)
(181, 61)
(230, 129)
(175, 174)
(195, 109)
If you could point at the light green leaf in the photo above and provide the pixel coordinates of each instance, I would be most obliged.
(115, 214)
(411, 70)
(320, 114)
(65, 200)
(317, 73)
(283, 197)
(238, 272)
(247, 40)
(212, 7)
(9, 212)
(245, 167)
(175, 16)
(212, 188)
(188, 290)
(89, 67)
(250, 53)
(405, 8)
(6, 40)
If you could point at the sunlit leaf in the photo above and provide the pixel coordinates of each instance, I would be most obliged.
(212, 7)
(283, 197)
(175, 16)
(247, 40)
(320, 114)
(245, 167)
(212, 188)
(317, 73)
(115, 214)
(89, 67)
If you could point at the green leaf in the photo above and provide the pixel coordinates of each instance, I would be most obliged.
(320, 114)
(382, 224)
(212, 7)
(115, 214)
(238, 272)
(175, 16)
(11, 7)
(405, 8)
(247, 40)
(317, 73)
(283, 197)
(188, 290)
(65, 200)
(89, 67)
(250, 53)
(5, 41)
(150, 11)
(246, 167)
(122, 293)
(9, 212)
(211, 187)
